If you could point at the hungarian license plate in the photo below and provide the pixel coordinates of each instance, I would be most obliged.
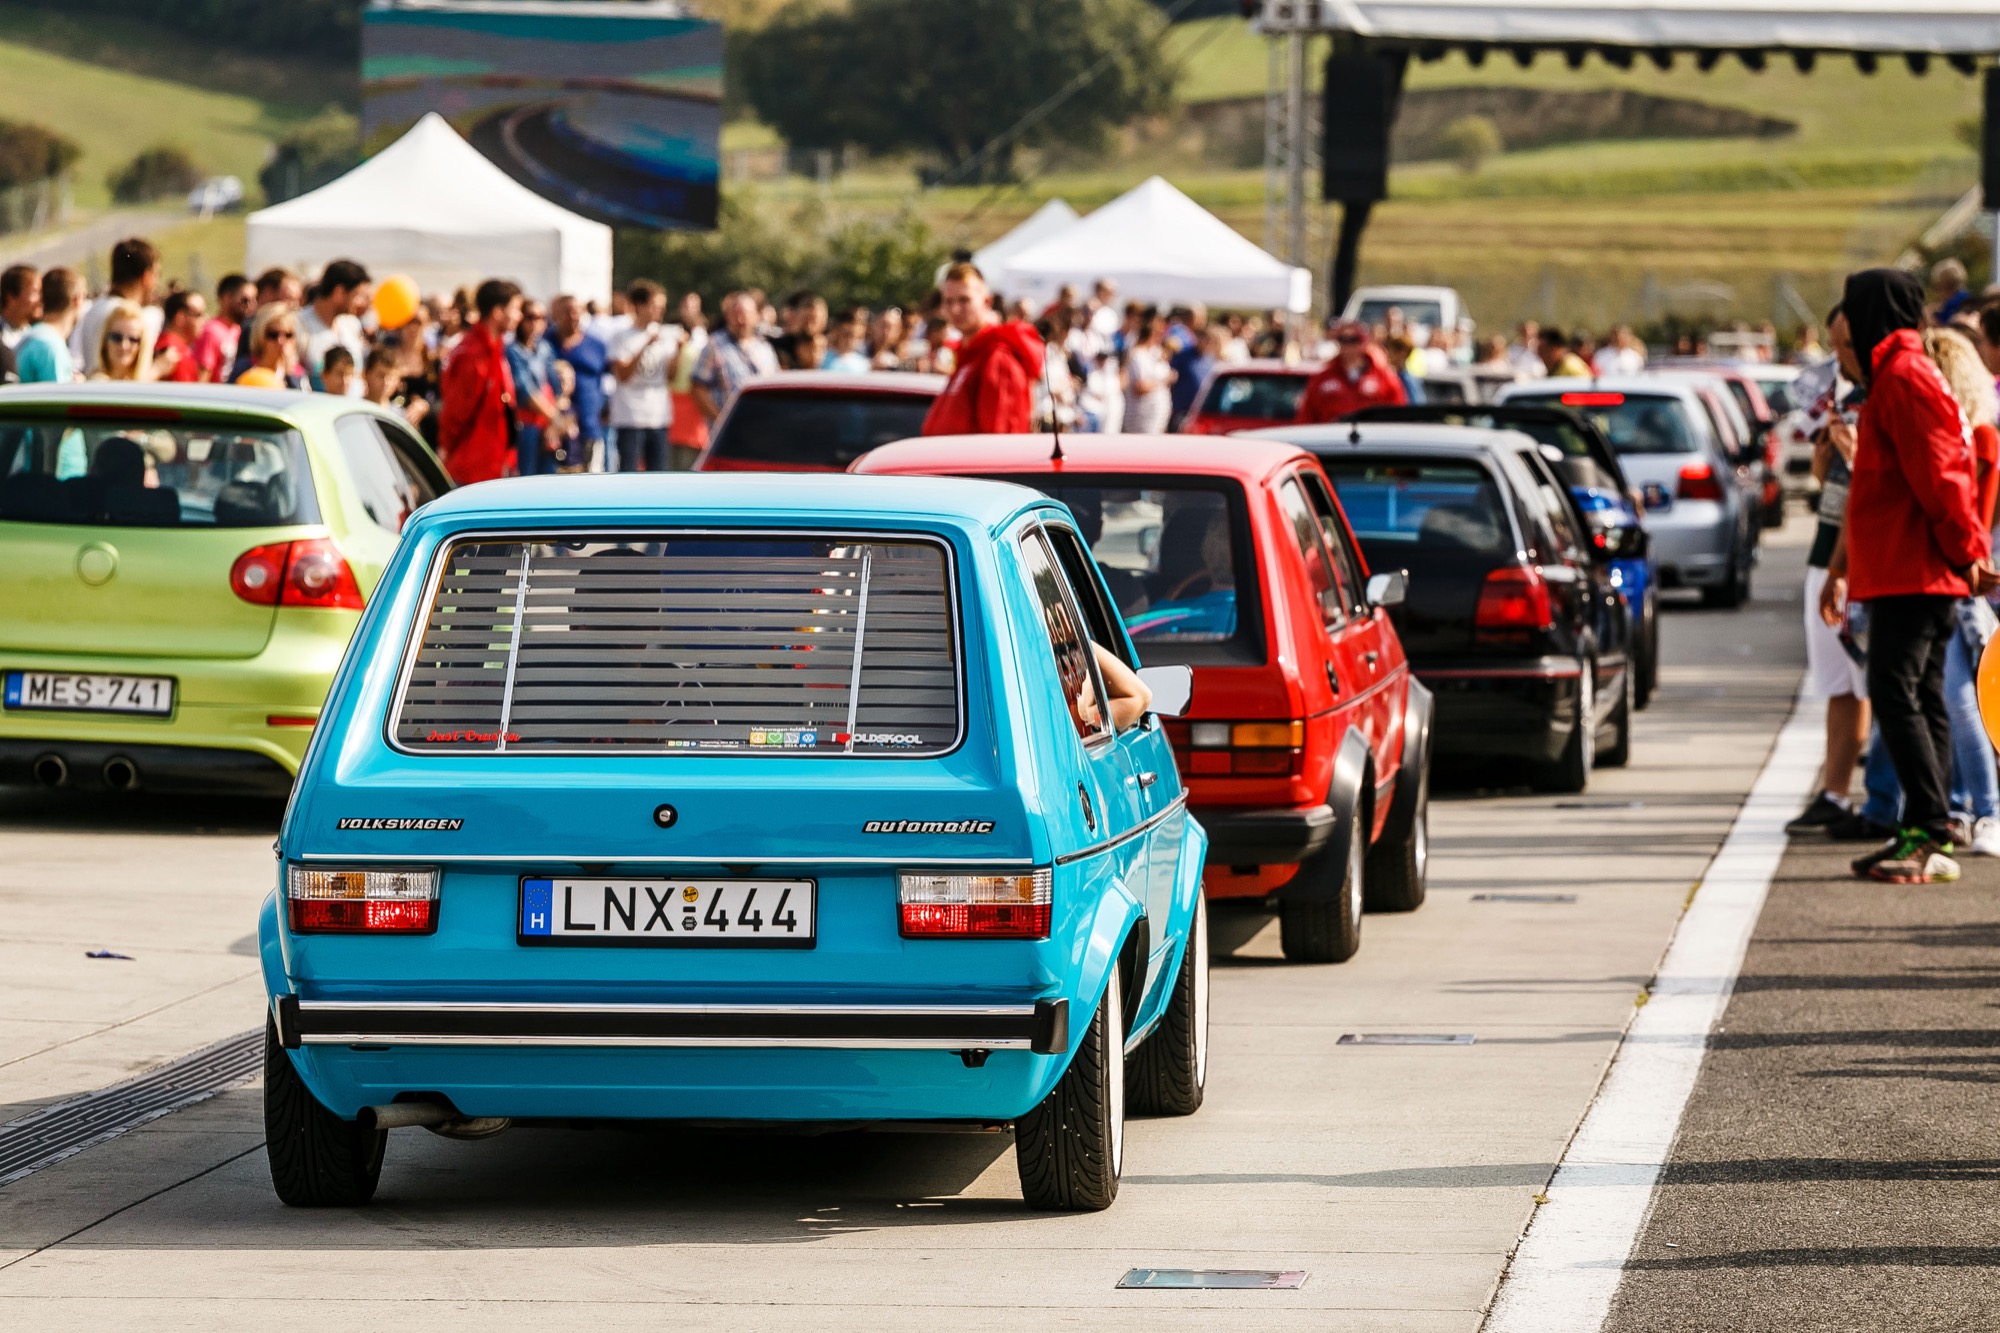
(79, 692)
(746, 913)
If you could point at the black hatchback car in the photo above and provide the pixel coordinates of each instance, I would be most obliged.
(1513, 619)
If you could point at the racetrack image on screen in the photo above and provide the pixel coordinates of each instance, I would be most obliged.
(613, 110)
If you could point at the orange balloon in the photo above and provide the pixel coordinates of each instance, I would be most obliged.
(396, 300)
(1989, 688)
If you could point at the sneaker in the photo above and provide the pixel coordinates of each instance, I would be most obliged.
(1855, 827)
(1823, 811)
(1915, 859)
(1864, 866)
(1985, 839)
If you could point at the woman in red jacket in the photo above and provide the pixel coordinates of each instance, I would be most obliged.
(476, 391)
(1916, 545)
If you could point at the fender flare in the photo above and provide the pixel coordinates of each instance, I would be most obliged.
(1419, 716)
(1345, 794)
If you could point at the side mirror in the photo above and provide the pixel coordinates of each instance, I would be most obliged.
(1172, 687)
(1390, 589)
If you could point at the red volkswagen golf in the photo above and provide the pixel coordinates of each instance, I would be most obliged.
(1307, 747)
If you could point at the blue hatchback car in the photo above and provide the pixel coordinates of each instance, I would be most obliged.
(736, 797)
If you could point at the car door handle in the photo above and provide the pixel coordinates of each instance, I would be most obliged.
(1371, 658)
(1332, 680)
(1147, 779)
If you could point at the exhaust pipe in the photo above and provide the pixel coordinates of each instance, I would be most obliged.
(51, 770)
(438, 1117)
(120, 773)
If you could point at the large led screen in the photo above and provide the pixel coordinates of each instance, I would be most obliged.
(612, 108)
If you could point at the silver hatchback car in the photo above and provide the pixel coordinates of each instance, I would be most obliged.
(1696, 510)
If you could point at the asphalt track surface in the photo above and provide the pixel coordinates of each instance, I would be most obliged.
(1399, 1178)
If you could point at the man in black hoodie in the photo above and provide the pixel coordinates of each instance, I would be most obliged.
(1915, 547)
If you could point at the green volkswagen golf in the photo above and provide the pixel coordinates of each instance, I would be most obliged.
(180, 569)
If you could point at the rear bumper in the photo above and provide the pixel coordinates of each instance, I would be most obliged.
(1041, 1028)
(1282, 836)
(168, 768)
(1694, 543)
(1508, 713)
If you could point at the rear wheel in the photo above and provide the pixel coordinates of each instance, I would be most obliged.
(1071, 1148)
(1571, 773)
(1168, 1072)
(1325, 927)
(1733, 591)
(1619, 752)
(317, 1159)
(1398, 869)
(1649, 654)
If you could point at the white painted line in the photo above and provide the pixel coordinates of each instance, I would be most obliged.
(1567, 1268)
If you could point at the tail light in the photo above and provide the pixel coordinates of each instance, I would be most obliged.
(311, 572)
(1246, 749)
(362, 902)
(1513, 598)
(994, 907)
(1699, 482)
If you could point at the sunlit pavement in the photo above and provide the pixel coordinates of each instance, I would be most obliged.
(1398, 1177)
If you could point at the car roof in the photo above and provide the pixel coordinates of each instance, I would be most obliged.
(1392, 291)
(818, 497)
(830, 381)
(1485, 452)
(1242, 457)
(288, 403)
(1660, 386)
(1363, 434)
(1263, 365)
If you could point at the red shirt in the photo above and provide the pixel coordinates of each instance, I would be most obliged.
(1912, 510)
(992, 389)
(1332, 394)
(215, 349)
(475, 395)
(186, 370)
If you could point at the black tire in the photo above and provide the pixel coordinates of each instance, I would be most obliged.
(1571, 773)
(1732, 593)
(1649, 654)
(1397, 874)
(1619, 752)
(1070, 1149)
(1169, 1072)
(1326, 927)
(317, 1159)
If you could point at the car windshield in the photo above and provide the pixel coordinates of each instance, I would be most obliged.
(816, 429)
(1635, 423)
(1429, 314)
(1169, 556)
(1396, 507)
(686, 643)
(1778, 393)
(1255, 397)
(105, 472)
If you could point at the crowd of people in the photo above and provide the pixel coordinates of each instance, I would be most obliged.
(1901, 573)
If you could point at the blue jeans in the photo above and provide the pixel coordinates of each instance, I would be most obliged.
(638, 449)
(531, 459)
(1975, 779)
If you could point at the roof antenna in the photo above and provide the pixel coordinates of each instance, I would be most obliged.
(1055, 415)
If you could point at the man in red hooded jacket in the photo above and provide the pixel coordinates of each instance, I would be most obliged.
(1916, 545)
(1358, 376)
(476, 390)
(992, 389)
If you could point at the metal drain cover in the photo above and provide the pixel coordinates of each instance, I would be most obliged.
(1213, 1279)
(1524, 897)
(1405, 1039)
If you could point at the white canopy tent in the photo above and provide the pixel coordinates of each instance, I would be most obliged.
(1159, 246)
(1054, 216)
(1936, 27)
(430, 206)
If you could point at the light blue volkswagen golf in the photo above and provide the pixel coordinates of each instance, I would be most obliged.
(737, 797)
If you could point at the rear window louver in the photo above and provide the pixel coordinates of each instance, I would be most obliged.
(686, 644)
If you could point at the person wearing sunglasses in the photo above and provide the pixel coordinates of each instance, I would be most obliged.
(274, 341)
(124, 346)
(1358, 375)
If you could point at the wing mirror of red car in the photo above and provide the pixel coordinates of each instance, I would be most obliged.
(1172, 687)
(1389, 589)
